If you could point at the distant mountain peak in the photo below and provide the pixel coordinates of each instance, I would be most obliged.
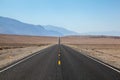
(13, 26)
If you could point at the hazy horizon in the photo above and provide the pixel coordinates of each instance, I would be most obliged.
(78, 15)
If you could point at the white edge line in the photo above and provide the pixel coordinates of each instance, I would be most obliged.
(102, 63)
(99, 62)
(17, 63)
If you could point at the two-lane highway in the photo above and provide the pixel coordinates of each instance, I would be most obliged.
(59, 63)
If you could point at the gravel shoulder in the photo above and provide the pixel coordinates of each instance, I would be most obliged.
(8, 56)
(108, 53)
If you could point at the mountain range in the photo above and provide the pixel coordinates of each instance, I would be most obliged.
(12, 26)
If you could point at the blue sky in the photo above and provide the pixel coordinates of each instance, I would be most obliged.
(77, 15)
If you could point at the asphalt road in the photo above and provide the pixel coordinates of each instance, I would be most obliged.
(59, 63)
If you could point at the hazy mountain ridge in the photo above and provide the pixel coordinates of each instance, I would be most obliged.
(12, 26)
(60, 30)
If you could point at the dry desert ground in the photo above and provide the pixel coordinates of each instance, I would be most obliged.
(104, 48)
(14, 47)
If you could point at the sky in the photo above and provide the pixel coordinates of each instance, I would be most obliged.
(78, 15)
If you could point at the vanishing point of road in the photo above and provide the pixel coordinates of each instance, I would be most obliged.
(59, 62)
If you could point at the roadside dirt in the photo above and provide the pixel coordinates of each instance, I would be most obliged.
(10, 55)
(108, 53)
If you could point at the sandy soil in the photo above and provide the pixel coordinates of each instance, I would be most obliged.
(16, 40)
(8, 56)
(90, 40)
(107, 53)
(104, 48)
(15, 47)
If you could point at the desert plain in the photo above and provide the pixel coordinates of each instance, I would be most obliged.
(103, 48)
(16, 47)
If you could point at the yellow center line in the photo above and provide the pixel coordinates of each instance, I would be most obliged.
(59, 62)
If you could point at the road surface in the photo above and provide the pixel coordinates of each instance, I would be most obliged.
(58, 63)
